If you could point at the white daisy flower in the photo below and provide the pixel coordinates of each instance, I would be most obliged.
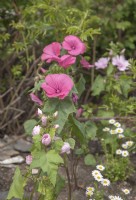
(100, 167)
(124, 146)
(105, 182)
(117, 124)
(111, 197)
(98, 178)
(126, 191)
(106, 129)
(112, 121)
(120, 136)
(95, 173)
(119, 130)
(125, 153)
(113, 132)
(118, 151)
(129, 143)
(90, 189)
(89, 193)
(118, 198)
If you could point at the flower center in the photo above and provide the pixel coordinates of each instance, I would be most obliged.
(58, 91)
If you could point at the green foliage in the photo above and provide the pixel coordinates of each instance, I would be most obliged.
(89, 159)
(49, 163)
(29, 125)
(17, 187)
(118, 169)
(80, 85)
(98, 85)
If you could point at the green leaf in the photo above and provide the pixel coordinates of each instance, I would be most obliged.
(29, 125)
(60, 184)
(64, 107)
(98, 85)
(90, 129)
(16, 189)
(89, 159)
(71, 141)
(80, 85)
(49, 163)
(110, 69)
(77, 129)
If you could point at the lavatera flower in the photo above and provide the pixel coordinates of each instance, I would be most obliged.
(57, 85)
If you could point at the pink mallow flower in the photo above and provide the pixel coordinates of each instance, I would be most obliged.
(121, 63)
(66, 60)
(36, 130)
(86, 64)
(36, 99)
(46, 139)
(102, 63)
(51, 52)
(73, 45)
(29, 159)
(57, 85)
(66, 148)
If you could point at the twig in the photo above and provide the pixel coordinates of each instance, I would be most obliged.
(104, 118)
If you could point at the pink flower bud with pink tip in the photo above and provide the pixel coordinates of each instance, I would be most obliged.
(36, 99)
(66, 148)
(29, 159)
(44, 120)
(79, 112)
(46, 139)
(36, 130)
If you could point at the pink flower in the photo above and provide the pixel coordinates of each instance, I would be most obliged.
(66, 148)
(46, 139)
(51, 52)
(121, 63)
(57, 85)
(44, 120)
(73, 45)
(102, 63)
(86, 64)
(79, 112)
(36, 130)
(66, 60)
(29, 159)
(36, 99)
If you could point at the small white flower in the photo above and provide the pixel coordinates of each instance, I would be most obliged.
(55, 114)
(124, 146)
(118, 151)
(89, 193)
(106, 129)
(120, 136)
(117, 124)
(100, 167)
(113, 132)
(95, 173)
(125, 153)
(90, 189)
(98, 178)
(119, 130)
(56, 126)
(105, 182)
(111, 197)
(118, 198)
(126, 191)
(112, 121)
(129, 143)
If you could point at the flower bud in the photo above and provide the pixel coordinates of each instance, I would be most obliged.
(65, 148)
(29, 159)
(35, 171)
(39, 112)
(46, 139)
(74, 98)
(36, 130)
(44, 120)
(56, 126)
(79, 112)
(55, 114)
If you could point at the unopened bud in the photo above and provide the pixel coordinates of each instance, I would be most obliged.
(35, 171)
(36, 130)
(44, 120)
(55, 114)
(39, 112)
(46, 139)
(56, 126)
(29, 159)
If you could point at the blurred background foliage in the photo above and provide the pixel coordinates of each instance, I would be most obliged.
(28, 25)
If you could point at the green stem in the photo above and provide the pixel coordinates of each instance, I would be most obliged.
(68, 177)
